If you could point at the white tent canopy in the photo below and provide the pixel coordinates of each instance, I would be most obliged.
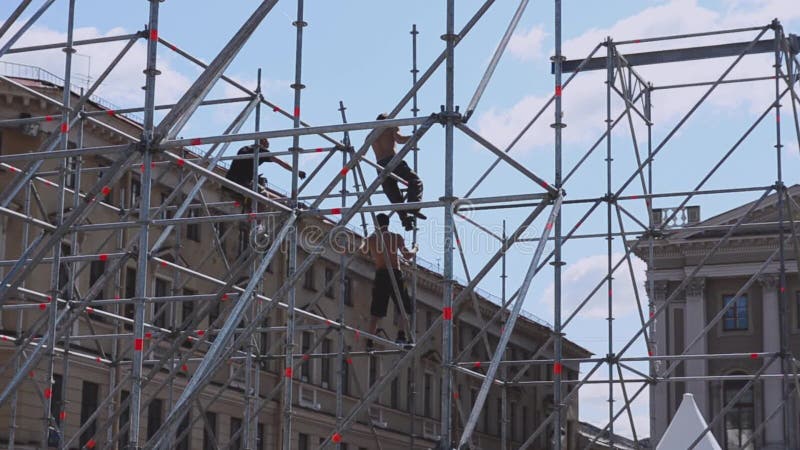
(687, 424)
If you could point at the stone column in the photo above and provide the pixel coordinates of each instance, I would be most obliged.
(659, 399)
(694, 319)
(770, 329)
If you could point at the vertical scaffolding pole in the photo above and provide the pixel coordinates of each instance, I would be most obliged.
(20, 321)
(447, 302)
(251, 420)
(557, 262)
(55, 268)
(342, 290)
(290, 313)
(788, 420)
(609, 233)
(144, 233)
(504, 434)
(651, 283)
(412, 372)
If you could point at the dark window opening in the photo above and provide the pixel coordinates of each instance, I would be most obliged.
(89, 401)
(736, 316)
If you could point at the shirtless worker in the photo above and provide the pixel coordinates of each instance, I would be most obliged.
(241, 171)
(384, 247)
(383, 147)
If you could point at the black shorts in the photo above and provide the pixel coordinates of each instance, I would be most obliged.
(382, 289)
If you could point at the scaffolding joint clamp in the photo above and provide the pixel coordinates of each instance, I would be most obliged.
(610, 198)
(445, 117)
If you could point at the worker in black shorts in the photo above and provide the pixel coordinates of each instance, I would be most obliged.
(241, 171)
(384, 148)
(385, 248)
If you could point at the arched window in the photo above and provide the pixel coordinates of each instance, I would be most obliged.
(740, 420)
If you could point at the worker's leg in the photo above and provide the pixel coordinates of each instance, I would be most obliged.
(380, 301)
(393, 193)
(406, 305)
(415, 187)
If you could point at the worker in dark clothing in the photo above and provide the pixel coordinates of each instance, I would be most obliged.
(241, 171)
(386, 248)
(384, 148)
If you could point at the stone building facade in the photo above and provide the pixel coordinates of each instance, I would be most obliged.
(748, 265)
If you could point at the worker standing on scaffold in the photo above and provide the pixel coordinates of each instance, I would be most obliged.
(241, 171)
(384, 148)
(384, 247)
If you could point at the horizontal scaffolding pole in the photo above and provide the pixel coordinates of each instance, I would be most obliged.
(290, 132)
(678, 55)
(100, 40)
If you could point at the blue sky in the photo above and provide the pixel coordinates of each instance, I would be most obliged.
(359, 52)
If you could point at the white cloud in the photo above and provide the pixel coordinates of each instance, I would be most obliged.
(528, 45)
(584, 98)
(123, 85)
(580, 277)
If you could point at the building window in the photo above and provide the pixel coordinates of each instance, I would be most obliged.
(220, 229)
(302, 441)
(412, 389)
(797, 308)
(326, 363)
(236, 440)
(739, 421)
(130, 291)
(499, 416)
(427, 395)
(71, 167)
(329, 284)
(210, 432)
(136, 191)
(473, 396)
(89, 395)
(161, 289)
(154, 410)
(187, 306)
(96, 270)
(736, 315)
(266, 364)
(64, 271)
(305, 367)
(344, 375)
(124, 417)
(348, 291)
(55, 403)
(373, 369)
(394, 396)
(184, 435)
(165, 213)
(193, 229)
(525, 428)
(260, 437)
(512, 418)
(308, 280)
(244, 239)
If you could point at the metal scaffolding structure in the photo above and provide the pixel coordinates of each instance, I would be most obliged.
(234, 335)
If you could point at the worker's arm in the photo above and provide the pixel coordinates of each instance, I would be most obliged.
(408, 254)
(399, 138)
(287, 166)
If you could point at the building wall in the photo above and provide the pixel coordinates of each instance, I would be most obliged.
(695, 308)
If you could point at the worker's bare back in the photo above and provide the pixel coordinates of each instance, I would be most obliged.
(383, 245)
(383, 146)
